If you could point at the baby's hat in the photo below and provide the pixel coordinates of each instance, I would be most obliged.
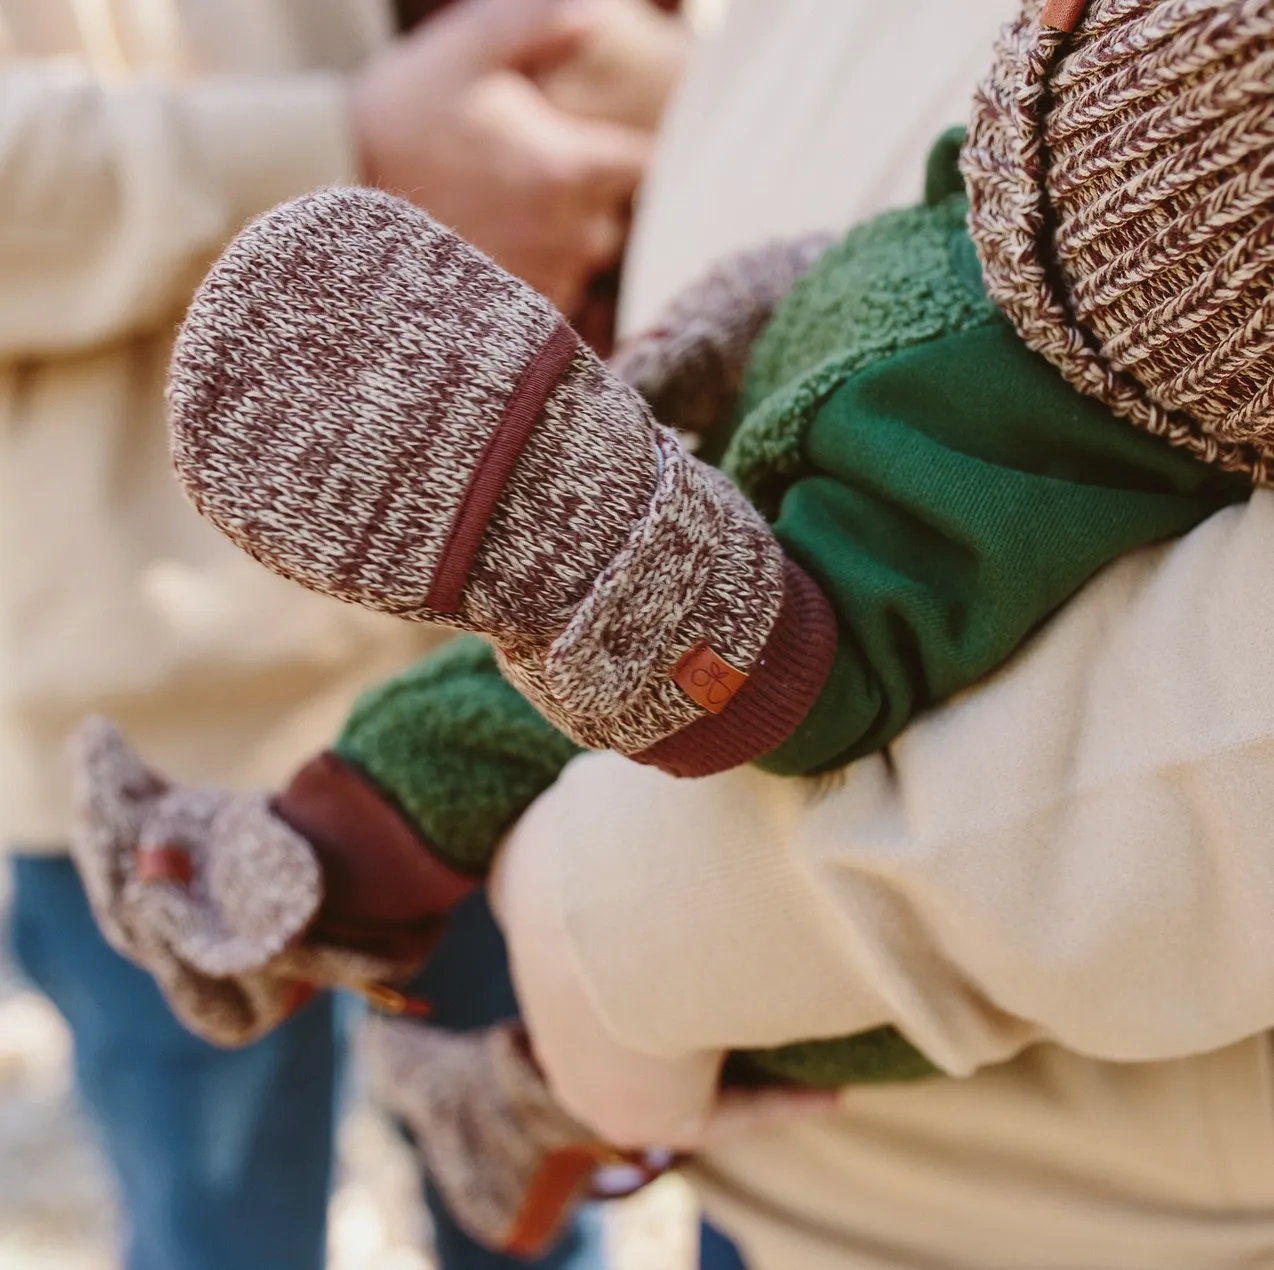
(1120, 167)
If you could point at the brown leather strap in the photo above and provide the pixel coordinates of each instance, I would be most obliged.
(386, 893)
(563, 1179)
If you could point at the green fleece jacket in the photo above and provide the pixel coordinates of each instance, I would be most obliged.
(942, 484)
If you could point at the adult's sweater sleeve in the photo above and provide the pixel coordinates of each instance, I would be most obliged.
(114, 198)
(1077, 851)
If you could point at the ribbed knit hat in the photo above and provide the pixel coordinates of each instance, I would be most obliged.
(1120, 166)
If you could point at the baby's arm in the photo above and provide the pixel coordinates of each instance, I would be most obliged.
(947, 501)
(457, 749)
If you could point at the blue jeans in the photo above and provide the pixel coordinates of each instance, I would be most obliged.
(224, 1157)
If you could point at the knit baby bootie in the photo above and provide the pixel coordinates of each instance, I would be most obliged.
(510, 1164)
(371, 407)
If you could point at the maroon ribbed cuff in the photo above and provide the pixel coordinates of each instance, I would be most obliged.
(385, 893)
(780, 691)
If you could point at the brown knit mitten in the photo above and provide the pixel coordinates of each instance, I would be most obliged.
(369, 406)
(509, 1163)
(689, 366)
(240, 905)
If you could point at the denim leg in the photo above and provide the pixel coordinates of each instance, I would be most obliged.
(716, 1252)
(223, 1157)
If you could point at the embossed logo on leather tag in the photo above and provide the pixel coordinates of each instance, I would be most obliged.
(708, 680)
(165, 864)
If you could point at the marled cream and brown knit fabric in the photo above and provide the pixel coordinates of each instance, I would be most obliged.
(672, 585)
(509, 1163)
(331, 393)
(1122, 187)
(371, 407)
(209, 891)
(690, 365)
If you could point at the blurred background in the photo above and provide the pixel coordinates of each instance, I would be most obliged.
(97, 100)
(56, 1209)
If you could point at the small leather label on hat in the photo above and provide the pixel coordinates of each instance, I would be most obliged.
(165, 864)
(1063, 15)
(708, 680)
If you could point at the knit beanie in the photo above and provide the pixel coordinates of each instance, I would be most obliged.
(370, 406)
(1120, 167)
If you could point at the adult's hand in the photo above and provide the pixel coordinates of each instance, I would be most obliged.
(450, 118)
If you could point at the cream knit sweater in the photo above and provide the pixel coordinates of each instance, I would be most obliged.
(1076, 854)
(1071, 864)
(135, 138)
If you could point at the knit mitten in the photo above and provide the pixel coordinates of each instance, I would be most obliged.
(242, 906)
(690, 365)
(371, 407)
(509, 1163)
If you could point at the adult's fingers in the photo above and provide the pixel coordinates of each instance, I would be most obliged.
(521, 35)
(605, 161)
(742, 1111)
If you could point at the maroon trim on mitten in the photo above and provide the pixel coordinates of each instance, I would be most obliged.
(559, 1184)
(385, 893)
(775, 697)
(495, 466)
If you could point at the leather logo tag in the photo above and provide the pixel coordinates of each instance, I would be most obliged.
(708, 680)
(170, 863)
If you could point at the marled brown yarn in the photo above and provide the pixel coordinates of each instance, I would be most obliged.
(371, 407)
(1122, 190)
(227, 940)
(331, 393)
(690, 364)
(675, 582)
(487, 1126)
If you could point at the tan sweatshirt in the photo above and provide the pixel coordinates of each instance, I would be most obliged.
(1070, 864)
(800, 115)
(135, 138)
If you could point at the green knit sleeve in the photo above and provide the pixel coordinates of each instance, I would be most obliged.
(457, 749)
(952, 498)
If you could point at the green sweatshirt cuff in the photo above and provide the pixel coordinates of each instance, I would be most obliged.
(457, 749)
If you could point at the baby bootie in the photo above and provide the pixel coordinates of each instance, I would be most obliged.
(510, 1164)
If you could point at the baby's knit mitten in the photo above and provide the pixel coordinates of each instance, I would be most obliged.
(371, 407)
(240, 905)
(509, 1163)
(690, 365)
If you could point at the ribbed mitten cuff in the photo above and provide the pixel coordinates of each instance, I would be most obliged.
(770, 704)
